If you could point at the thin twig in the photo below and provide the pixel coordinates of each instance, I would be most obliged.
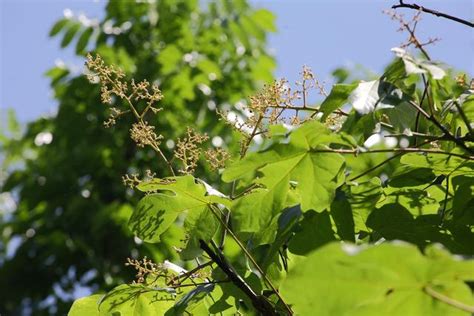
(382, 163)
(446, 132)
(186, 275)
(391, 150)
(431, 11)
(307, 108)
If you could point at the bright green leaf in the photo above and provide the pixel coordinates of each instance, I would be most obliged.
(156, 212)
(316, 174)
(58, 26)
(351, 280)
(136, 300)
(88, 305)
(83, 40)
(69, 34)
(337, 98)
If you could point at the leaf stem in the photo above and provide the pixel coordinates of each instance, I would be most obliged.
(445, 299)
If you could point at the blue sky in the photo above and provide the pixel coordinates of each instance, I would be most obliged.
(320, 34)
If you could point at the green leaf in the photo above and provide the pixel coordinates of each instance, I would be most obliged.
(374, 95)
(155, 213)
(83, 40)
(417, 66)
(69, 34)
(393, 221)
(199, 224)
(395, 71)
(264, 19)
(315, 230)
(136, 300)
(190, 300)
(463, 204)
(209, 67)
(440, 164)
(363, 197)
(169, 59)
(315, 174)
(341, 212)
(417, 200)
(88, 305)
(351, 280)
(337, 98)
(254, 212)
(58, 26)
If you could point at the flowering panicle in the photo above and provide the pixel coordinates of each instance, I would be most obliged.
(217, 158)
(276, 103)
(113, 85)
(144, 268)
(188, 151)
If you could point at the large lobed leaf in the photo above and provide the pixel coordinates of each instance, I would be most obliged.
(297, 164)
(169, 198)
(392, 279)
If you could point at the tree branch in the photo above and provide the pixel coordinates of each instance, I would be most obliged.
(431, 11)
(258, 301)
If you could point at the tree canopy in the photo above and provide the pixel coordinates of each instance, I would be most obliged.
(360, 204)
(71, 218)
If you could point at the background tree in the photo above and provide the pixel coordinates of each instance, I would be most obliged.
(70, 223)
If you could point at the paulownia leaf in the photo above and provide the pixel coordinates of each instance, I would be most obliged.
(314, 231)
(190, 300)
(315, 174)
(375, 95)
(463, 204)
(440, 164)
(363, 198)
(395, 222)
(88, 305)
(416, 200)
(136, 300)
(157, 211)
(416, 66)
(341, 212)
(336, 99)
(392, 277)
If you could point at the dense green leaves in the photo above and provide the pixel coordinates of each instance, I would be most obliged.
(393, 278)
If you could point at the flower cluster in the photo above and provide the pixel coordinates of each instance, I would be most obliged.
(113, 84)
(217, 158)
(144, 267)
(144, 134)
(188, 151)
